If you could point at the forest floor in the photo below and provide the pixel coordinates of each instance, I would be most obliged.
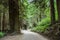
(26, 35)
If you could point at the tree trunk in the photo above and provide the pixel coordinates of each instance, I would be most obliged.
(0, 21)
(52, 11)
(14, 15)
(3, 23)
(4, 20)
(58, 9)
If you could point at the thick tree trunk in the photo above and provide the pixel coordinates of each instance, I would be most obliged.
(58, 9)
(52, 11)
(14, 15)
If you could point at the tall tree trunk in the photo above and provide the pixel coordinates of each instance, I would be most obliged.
(0, 21)
(58, 9)
(52, 11)
(14, 15)
(3, 22)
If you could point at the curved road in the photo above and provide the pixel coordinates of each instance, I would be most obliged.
(27, 35)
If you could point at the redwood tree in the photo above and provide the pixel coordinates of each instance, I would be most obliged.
(58, 9)
(14, 15)
(0, 21)
(52, 11)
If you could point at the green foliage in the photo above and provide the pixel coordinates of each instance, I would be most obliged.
(44, 22)
(2, 34)
(42, 26)
(34, 10)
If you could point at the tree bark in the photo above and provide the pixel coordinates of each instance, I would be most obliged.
(52, 11)
(14, 15)
(3, 23)
(0, 21)
(58, 9)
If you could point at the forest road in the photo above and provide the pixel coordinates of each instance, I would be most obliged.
(27, 35)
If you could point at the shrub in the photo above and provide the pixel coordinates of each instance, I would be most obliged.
(42, 26)
(2, 34)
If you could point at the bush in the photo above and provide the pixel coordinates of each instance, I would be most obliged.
(42, 26)
(2, 34)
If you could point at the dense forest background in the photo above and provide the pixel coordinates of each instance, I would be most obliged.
(41, 16)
